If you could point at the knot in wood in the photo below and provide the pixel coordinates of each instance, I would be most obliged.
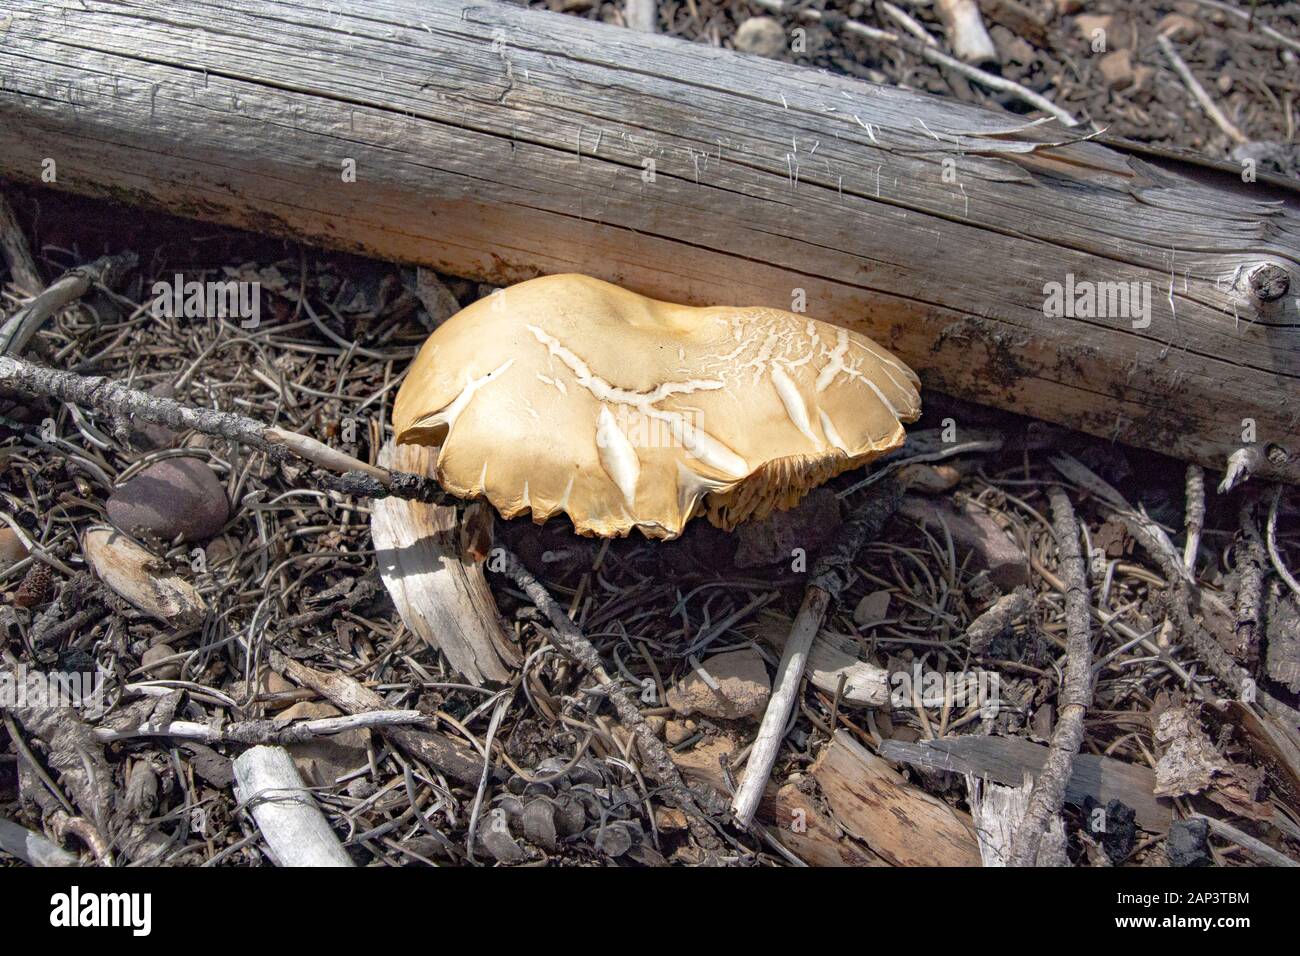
(1269, 282)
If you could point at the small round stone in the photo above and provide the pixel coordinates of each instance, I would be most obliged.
(159, 652)
(761, 35)
(175, 496)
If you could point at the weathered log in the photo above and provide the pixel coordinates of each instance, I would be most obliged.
(499, 143)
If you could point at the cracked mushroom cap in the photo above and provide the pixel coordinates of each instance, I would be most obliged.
(566, 393)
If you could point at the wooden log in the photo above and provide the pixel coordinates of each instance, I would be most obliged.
(500, 143)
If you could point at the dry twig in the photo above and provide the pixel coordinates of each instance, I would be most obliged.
(1210, 108)
(269, 732)
(129, 404)
(1244, 840)
(573, 643)
(350, 696)
(1076, 693)
(830, 576)
(72, 285)
(1250, 583)
(1195, 518)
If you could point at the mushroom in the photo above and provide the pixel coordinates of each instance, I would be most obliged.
(566, 393)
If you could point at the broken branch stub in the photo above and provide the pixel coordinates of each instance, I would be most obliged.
(268, 785)
(440, 594)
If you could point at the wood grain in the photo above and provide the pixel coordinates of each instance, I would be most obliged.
(1006, 760)
(902, 823)
(501, 143)
(803, 829)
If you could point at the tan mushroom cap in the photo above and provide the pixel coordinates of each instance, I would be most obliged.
(566, 393)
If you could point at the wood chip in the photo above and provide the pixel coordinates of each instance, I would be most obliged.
(141, 579)
(811, 834)
(902, 823)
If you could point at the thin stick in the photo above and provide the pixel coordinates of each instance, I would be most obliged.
(1198, 91)
(830, 576)
(965, 69)
(1248, 842)
(785, 689)
(127, 404)
(1271, 538)
(570, 640)
(906, 22)
(1195, 516)
(1048, 793)
(350, 695)
(266, 731)
(1255, 24)
(1250, 586)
